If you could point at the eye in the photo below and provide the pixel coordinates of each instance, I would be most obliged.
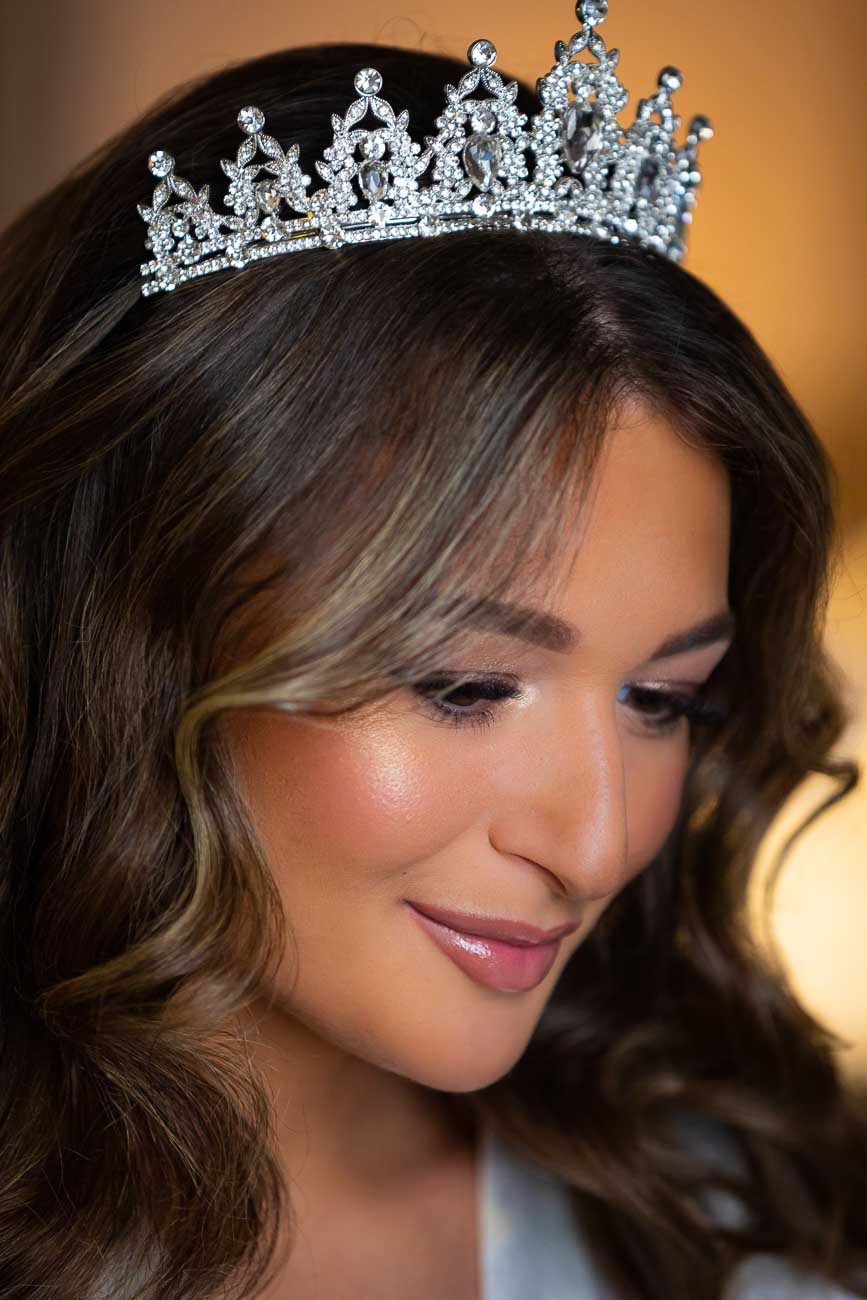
(660, 709)
(457, 714)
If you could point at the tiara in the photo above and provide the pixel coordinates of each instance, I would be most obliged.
(590, 176)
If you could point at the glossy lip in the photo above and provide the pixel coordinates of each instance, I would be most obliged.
(519, 933)
(504, 966)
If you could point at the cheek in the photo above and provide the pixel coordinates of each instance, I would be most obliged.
(340, 807)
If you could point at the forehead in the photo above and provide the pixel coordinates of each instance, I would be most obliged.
(646, 549)
(655, 527)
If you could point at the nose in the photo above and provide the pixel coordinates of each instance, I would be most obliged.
(570, 814)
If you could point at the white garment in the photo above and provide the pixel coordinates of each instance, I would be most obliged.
(531, 1249)
(529, 1246)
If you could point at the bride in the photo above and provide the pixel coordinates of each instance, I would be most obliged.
(404, 650)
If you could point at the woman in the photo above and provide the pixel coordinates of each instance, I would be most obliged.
(274, 700)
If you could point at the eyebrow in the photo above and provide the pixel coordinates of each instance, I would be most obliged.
(553, 633)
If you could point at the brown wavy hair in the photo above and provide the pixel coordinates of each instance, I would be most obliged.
(355, 428)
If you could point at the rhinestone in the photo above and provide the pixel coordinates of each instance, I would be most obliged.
(591, 12)
(268, 196)
(368, 81)
(483, 204)
(701, 127)
(180, 227)
(484, 120)
(373, 179)
(189, 252)
(251, 120)
(482, 54)
(481, 155)
(373, 146)
(160, 163)
(670, 79)
(581, 133)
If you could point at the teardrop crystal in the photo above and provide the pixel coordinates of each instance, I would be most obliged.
(373, 178)
(481, 155)
(647, 178)
(581, 133)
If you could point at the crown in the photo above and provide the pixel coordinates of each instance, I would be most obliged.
(590, 176)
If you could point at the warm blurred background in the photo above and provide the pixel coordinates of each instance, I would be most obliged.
(779, 234)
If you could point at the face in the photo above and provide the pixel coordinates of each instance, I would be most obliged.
(541, 812)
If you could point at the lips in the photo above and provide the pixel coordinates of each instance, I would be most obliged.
(507, 966)
(520, 933)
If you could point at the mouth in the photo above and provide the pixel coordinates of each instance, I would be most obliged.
(520, 933)
(509, 965)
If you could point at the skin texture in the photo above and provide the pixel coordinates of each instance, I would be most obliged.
(543, 816)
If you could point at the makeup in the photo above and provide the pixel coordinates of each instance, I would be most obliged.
(508, 967)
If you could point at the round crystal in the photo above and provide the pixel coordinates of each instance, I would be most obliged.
(483, 204)
(368, 82)
(701, 127)
(591, 12)
(484, 120)
(251, 120)
(373, 146)
(160, 163)
(482, 54)
(670, 79)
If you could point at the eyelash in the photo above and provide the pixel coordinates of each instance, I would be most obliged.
(697, 711)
